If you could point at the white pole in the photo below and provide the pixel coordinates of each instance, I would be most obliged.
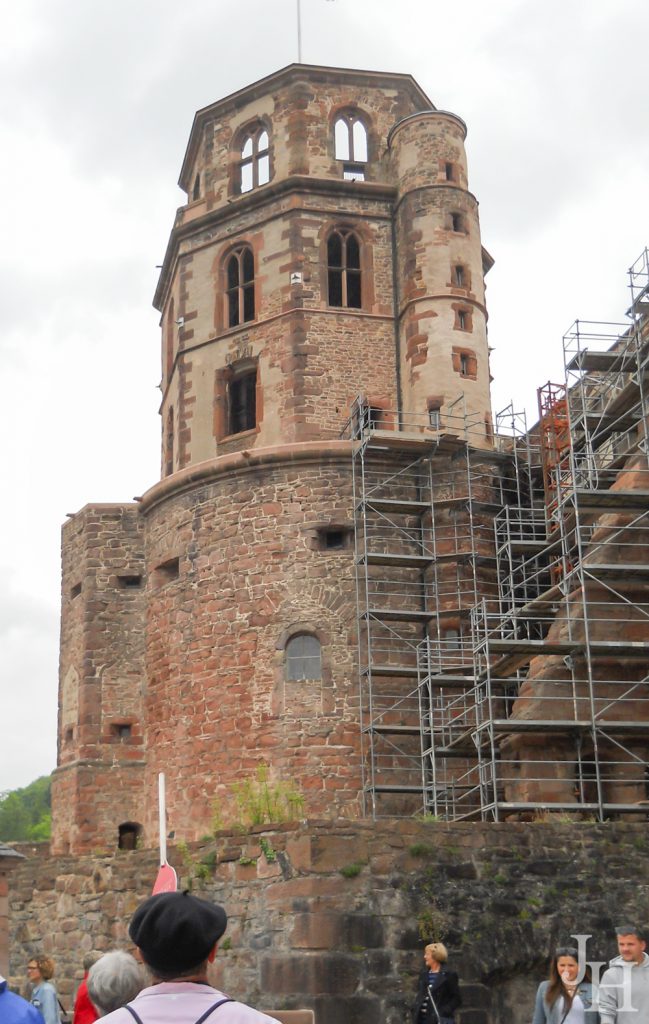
(299, 33)
(162, 812)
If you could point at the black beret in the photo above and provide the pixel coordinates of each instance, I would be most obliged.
(176, 931)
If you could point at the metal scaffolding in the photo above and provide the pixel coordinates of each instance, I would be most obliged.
(503, 595)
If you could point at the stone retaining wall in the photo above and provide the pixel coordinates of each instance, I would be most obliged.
(328, 914)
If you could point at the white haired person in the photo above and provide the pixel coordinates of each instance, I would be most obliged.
(114, 980)
(438, 994)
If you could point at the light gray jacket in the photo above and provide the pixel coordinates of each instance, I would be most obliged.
(613, 1007)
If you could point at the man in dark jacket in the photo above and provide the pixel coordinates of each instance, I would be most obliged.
(438, 994)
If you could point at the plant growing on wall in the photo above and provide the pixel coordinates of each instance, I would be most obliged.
(260, 801)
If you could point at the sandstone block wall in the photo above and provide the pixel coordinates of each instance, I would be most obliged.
(328, 915)
(101, 677)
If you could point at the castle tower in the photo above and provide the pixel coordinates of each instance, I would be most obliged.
(329, 247)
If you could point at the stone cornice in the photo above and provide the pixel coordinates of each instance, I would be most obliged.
(260, 197)
(237, 463)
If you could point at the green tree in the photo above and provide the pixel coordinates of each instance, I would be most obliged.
(25, 813)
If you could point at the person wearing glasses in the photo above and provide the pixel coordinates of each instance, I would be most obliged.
(562, 999)
(39, 971)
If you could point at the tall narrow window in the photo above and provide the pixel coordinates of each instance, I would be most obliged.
(303, 657)
(344, 269)
(242, 402)
(196, 191)
(169, 443)
(459, 275)
(350, 139)
(254, 165)
(240, 286)
(169, 345)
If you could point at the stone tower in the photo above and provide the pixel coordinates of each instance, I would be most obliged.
(329, 248)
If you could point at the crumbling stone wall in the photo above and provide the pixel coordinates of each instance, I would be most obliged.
(328, 915)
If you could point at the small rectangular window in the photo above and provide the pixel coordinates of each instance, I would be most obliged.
(75, 591)
(461, 320)
(457, 222)
(459, 275)
(353, 172)
(449, 171)
(129, 582)
(464, 364)
(434, 417)
(121, 730)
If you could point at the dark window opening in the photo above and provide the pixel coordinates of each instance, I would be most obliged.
(464, 364)
(344, 270)
(121, 730)
(458, 274)
(76, 590)
(254, 166)
(196, 193)
(128, 835)
(69, 735)
(129, 582)
(457, 222)
(166, 572)
(240, 287)
(333, 538)
(350, 139)
(303, 657)
(242, 402)
(462, 320)
(449, 171)
(169, 453)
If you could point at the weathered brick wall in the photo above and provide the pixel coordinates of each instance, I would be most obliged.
(251, 572)
(424, 150)
(327, 914)
(101, 677)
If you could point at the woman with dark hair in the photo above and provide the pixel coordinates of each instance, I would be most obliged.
(562, 999)
(438, 994)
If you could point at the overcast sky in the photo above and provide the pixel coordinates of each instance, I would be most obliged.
(96, 104)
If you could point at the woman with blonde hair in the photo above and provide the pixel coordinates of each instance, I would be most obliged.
(40, 969)
(438, 993)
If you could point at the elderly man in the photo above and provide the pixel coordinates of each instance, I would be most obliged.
(624, 987)
(16, 1010)
(114, 980)
(177, 935)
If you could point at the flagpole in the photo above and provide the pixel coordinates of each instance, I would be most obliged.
(299, 33)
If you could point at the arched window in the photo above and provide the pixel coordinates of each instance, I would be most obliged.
(240, 286)
(303, 657)
(344, 269)
(350, 139)
(254, 165)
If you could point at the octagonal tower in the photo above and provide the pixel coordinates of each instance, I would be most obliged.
(329, 247)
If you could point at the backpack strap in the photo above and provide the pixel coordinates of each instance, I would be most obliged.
(212, 1008)
(203, 1017)
(133, 1014)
